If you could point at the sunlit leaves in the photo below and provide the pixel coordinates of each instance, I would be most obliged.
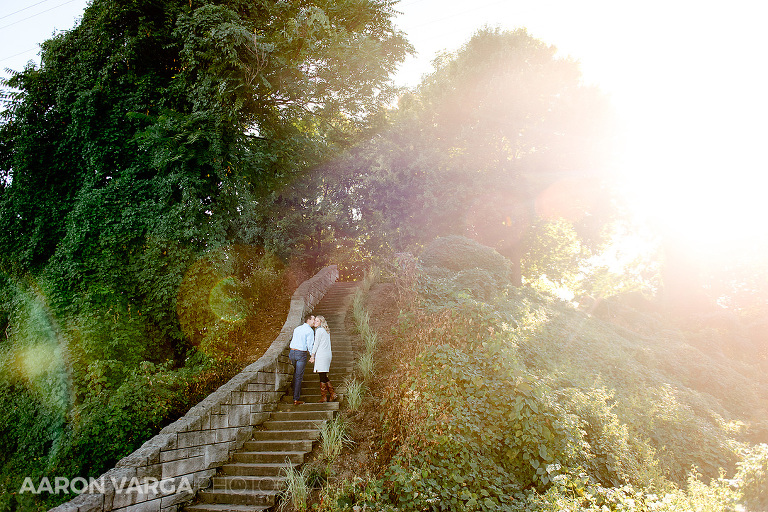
(499, 142)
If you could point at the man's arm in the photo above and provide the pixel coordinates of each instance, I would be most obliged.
(310, 340)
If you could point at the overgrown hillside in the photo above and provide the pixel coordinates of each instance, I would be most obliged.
(492, 397)
(77, 397)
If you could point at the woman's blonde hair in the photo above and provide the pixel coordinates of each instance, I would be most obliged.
(323, 323)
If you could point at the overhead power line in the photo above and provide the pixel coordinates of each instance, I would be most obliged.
(38, 14)
(23, 9)
(17, 54)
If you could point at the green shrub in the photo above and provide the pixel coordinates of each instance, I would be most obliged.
(478, 434)
(482, 284)
(356, 493)
(652, 379)
(95, 434)
(608, 453)
(221, 294)
(458, 253)
(354, 394)
(752, 477)
(334, 436)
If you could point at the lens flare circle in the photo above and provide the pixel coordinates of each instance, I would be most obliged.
(224, 301)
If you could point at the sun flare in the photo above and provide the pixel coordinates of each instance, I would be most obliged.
(700, 187)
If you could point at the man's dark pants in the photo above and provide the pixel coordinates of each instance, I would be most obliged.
(299, 360)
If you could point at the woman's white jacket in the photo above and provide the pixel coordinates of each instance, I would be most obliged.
(322, 350)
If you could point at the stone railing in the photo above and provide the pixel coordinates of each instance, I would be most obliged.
(169, 469)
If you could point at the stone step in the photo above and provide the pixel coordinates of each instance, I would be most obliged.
(337, 366)
(255, 469)
(296, 445)
(226, 507)
(314, 378)
(310, 393)
(338, 363)
(325, 406)
(336, 373)
(302, 415)
(337, 355)
(268, 457)
(293, 424)
(311, 389)
(240, 483)
(264, 498)
(286, 435)
(311, 385)
(311, 400)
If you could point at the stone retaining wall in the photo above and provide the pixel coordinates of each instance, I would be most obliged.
(168, 470)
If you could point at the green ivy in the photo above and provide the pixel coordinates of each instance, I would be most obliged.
(484, 435)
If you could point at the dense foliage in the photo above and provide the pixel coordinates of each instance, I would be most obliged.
(507, 398)
(134, 163)
(502, 143)
(498, 142)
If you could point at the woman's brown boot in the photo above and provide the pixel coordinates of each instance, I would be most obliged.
(332, 391)
(323, 392)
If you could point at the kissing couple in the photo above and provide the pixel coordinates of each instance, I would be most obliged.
(311, 342)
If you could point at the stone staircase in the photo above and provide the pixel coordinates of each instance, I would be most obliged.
(253, 477)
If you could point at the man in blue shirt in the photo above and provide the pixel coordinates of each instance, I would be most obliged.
(301, 345)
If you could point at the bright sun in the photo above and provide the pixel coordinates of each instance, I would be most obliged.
(694, 167)
(709, 208)
(689, 90)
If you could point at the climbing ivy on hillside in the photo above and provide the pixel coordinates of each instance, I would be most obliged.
(503, 398)
(478, 434)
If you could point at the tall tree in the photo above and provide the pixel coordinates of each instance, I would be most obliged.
(148, 136)
(197, 92)
(134, 145)
(501, 138)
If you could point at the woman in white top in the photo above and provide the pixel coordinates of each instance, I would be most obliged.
(321, 356)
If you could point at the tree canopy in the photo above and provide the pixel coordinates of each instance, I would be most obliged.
(191, 95)
(147, 127)
(500, 140)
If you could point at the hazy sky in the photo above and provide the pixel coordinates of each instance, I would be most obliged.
(688, 78)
